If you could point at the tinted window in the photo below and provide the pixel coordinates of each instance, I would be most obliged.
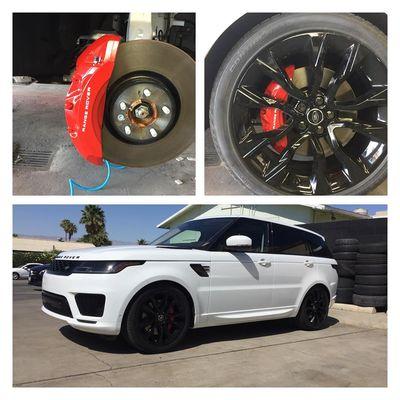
(193, 234)
(318, 246)
(257, 231)
(286, 240)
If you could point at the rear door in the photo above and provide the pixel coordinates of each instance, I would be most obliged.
(292, 262)
(241, 280)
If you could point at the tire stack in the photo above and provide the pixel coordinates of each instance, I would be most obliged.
(370, 289)
(345, 253)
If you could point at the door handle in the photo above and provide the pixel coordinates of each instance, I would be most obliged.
(264, 263)
(308, 264)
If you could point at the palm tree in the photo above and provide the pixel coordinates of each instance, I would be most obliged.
(71, 230)
(93, 218)
(64, 224)
(141, 242)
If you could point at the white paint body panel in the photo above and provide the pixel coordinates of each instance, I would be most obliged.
(241, 286)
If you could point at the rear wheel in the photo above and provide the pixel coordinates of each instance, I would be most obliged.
(157, 320)
(314, 310)
(299, 106)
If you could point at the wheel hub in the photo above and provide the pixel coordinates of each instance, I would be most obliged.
(315, 116)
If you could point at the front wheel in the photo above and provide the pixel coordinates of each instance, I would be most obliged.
(314, 310)
(157, 320)
(15, 276)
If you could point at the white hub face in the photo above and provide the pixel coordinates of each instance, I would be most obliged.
(215, 275)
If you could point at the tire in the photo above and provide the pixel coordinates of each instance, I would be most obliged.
(346, 242)
(371, 258)
(371, 280)
(345, 248)
(371, 269)
(237, 61)
(378, 248)
(344, 295)
(370, 290)
(370, 301)
(15, 276)
(319, 296)
(345, 283)
(345, 270)
(345, 255)
(149, 342)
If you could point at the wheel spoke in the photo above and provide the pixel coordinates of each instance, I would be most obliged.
(285, 158)
(344, 71)
(318, 52)
(318, 180)
(375, 97)
(250, 97)
(270, 68)
(354, 171)
(375, 131)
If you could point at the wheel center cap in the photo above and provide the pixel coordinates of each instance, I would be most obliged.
(315, 116)
(160, 317)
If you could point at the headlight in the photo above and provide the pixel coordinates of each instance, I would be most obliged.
(67, 267)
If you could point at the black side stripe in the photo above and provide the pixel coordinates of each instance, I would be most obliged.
(201, 270)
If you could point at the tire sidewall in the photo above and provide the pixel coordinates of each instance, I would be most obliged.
(264, 35)
(15, 276)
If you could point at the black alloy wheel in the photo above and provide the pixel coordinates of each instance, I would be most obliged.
(314, 309)
(326, 132)
(158, 320)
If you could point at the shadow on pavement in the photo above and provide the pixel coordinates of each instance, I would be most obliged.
(194, 337)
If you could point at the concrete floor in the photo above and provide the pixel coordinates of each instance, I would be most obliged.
(39, 125)
(49, 353)
(218, 180)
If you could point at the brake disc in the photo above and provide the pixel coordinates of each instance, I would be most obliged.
(150, 106)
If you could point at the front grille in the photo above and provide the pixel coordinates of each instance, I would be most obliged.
(56, 303)
(62, 267)
(91, 305)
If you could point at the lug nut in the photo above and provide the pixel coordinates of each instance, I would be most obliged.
(329, 114)
(166, 110)
(320, 129)
(147, 92)
(121, 117)
(153, 132)
(127, 130)
(122, 106)
(319, 101)
(302, 125)
(301, 107)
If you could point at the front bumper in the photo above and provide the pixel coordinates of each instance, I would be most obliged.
(68, 287)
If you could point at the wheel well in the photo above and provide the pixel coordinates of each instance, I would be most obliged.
(157, 284)
(318, 285)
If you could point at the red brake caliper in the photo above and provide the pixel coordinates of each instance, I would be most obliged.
(273, 118)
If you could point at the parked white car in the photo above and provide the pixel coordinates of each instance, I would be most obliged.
(206, 272)
(23, 271)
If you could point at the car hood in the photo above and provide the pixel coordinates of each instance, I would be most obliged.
(131, 253)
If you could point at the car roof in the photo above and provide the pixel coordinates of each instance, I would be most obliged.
(259, 219)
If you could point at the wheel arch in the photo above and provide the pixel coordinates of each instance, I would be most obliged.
(312, 286)
(161, 282)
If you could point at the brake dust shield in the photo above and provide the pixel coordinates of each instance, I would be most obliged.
(166, 138)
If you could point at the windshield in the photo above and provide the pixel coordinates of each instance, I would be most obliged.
(193, 234)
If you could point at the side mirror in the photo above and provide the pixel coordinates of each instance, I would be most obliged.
(239, 241)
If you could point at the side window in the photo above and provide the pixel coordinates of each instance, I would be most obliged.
(318, 246)
(257, 231)
(187, 236)
(286, 240)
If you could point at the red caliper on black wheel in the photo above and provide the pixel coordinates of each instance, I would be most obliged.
(272, 118)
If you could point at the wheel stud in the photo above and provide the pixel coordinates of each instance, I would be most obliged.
(319, 101)
(320, 129)
(153, 132)
(122, 106)
(121, 117)
(147, 92)
(302, 125)
(166, 110)
(127, 130)
(329, 114)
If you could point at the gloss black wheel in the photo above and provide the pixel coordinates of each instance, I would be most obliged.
(158, 320)
(314, 309)
(306, 106)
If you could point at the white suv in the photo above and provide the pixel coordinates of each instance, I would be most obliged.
(206, 272)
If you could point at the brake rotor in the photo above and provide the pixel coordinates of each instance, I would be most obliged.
(150, 106)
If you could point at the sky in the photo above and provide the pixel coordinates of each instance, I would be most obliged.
(124, 223)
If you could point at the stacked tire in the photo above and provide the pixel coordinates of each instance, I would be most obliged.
(370, 288)
(345, 253)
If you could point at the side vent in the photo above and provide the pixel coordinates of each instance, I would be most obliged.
(201, 270)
